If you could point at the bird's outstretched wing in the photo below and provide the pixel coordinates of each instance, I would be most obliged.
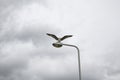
(52, 35)
(66, 36)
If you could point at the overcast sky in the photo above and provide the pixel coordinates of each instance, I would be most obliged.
(26, 52)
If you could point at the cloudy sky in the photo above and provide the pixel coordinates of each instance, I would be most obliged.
(26, 52)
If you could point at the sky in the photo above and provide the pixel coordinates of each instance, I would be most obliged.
(26, 52)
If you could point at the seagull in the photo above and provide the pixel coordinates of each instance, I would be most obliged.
(59, 39)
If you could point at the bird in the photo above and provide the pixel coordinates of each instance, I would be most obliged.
(59, 39)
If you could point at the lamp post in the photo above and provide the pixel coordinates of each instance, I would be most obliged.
(59, 44)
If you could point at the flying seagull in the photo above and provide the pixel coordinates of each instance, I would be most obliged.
(59, 39)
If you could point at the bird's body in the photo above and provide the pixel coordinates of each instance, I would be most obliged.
(59, 40)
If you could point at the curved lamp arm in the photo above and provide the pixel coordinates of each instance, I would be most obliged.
(79, 66)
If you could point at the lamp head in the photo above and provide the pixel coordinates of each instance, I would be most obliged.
(57, 45)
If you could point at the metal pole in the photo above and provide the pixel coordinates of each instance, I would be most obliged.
(79, 66)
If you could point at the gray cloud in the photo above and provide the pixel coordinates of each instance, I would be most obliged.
(112, 60)
(17, 28)
(26, 52)
(17, 47)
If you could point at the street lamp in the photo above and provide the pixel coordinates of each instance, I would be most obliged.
(58, 44)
